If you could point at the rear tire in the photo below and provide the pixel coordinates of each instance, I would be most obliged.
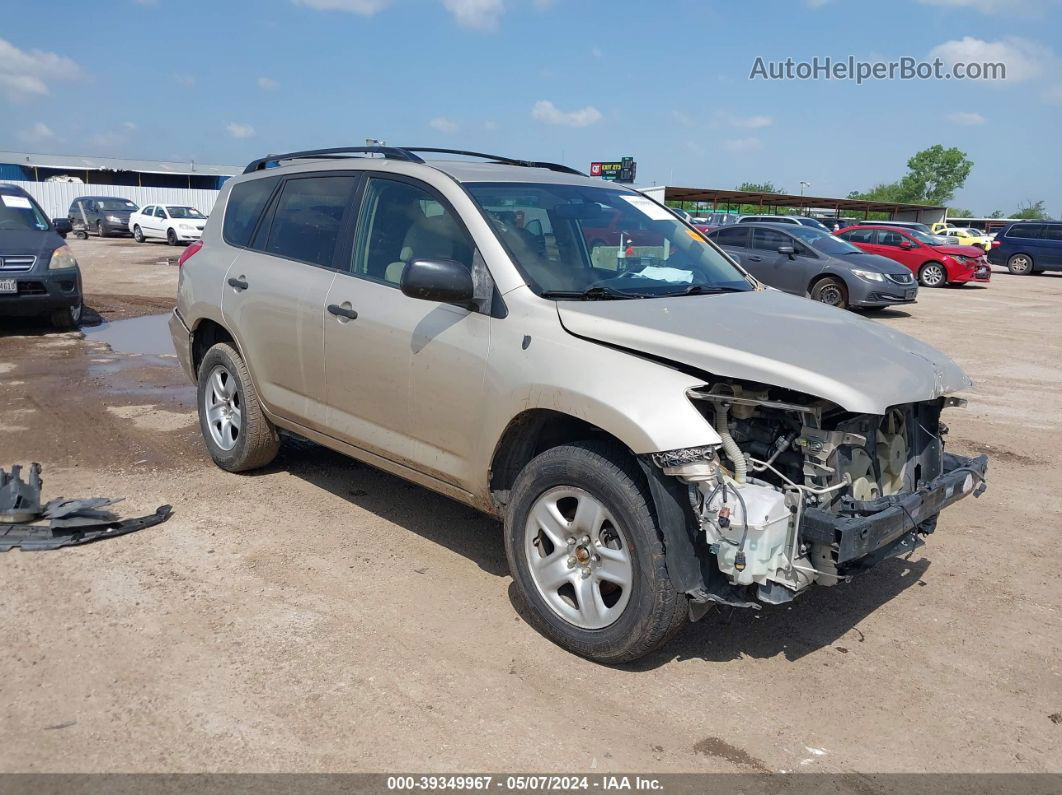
(932, 274)
(1020, 264)
(236, 432)
(831, 292)
(138, 235)
(595, 491)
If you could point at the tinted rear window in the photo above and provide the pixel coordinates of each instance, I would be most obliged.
(307, 219)
(246, 202)
(1052, 232)
(1024, 230)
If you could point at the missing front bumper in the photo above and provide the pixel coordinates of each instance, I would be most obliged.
(863, 533)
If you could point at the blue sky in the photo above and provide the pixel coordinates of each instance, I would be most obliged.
(666, 81)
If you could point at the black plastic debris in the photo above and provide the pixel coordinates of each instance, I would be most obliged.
(26, 524)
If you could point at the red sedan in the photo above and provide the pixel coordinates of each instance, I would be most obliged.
(928, 257)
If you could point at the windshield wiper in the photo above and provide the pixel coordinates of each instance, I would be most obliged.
(592, 294)
(701, 289)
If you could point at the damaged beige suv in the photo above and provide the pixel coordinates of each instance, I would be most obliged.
(658, 432)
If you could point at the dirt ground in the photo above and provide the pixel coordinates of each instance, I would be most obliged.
(323, 616)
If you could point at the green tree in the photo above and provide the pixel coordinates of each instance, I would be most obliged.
(1034, 211)
(959, 212)
(760, 187)
(933, 175)
(997, 214)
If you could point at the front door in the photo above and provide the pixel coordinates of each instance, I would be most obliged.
(769, 265)
(275, 291)
(404, 376)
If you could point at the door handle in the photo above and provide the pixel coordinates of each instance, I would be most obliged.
(343, 311)
(239, 284)
(755, 259)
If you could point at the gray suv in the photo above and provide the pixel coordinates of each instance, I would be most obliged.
(657, 431)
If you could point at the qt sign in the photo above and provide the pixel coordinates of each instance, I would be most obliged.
(623, 170)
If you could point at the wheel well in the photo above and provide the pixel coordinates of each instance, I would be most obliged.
(832, 277)
(529, 434)
(206, 335)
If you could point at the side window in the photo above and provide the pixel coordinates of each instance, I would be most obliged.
(160, 212)
(736, 237)
(1051, 232)
(1025, 231)
(886, 238)
(864, 236)
(147, 210)
(307, 218)
(769, 239)
(245, 205)
(401, 222)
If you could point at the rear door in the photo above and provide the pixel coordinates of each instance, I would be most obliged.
(275, 290)
(404, 376)
(142, 218)
(734, 240)
(1051, 246)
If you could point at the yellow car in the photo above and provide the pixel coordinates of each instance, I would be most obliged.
(966, 236)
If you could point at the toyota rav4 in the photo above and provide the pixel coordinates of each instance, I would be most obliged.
(658, 432)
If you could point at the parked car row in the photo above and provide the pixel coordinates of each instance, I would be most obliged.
(107, 216)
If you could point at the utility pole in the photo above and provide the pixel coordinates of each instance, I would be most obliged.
(803, 185)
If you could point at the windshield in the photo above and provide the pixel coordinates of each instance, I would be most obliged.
(571, 239)
(929, 240)
(116, 204)
(823, 241)
(184, 212)
(18, 214)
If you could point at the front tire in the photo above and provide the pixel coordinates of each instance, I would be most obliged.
(236, 432)
(138, 234)
(1020, 265)
(68, 318)
(99, 229)
(932, 274)
(831, 292)
(171, 236)
(586, 554)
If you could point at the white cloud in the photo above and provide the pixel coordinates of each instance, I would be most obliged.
(966, 119)
(268, 84)
(129, 125)
(490, 125)
(1024, 59)
(239, 130)
(364, 7)
(443, 125)
(26, 73)
(478, 14)
(742, 144)
(38, 133)
(1019, 7)
(755, 122)
(546, 111)
(187, 81)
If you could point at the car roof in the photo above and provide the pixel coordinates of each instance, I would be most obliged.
(103, 196)
(12, 189)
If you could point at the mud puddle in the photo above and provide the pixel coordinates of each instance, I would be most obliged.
(149, 334)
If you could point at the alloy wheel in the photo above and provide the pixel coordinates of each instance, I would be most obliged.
(933, 275)
(222, 408)
(578, 558)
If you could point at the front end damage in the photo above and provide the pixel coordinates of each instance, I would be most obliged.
(800, 492)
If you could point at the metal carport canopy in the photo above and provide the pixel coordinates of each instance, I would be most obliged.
(719, 196)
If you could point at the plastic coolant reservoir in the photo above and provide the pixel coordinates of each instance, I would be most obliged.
(768, 520)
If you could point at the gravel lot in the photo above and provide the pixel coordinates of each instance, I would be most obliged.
(323, 616)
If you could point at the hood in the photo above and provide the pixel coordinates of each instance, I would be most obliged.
(777, 339)
(29, 241)
(871, 262)
(961, 251)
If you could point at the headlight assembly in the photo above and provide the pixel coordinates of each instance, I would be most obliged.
(62, 258)
(870, 276)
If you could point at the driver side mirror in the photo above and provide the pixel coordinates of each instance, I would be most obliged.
(789, 251)
(442, 280)
(907, 245)
(62, 226)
